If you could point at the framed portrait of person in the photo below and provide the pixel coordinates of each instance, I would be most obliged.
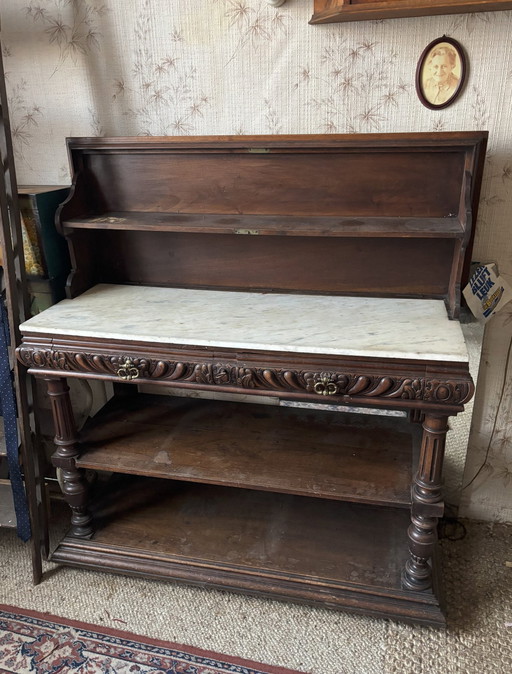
(441, 73)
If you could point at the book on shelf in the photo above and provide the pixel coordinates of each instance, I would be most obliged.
(46, 253)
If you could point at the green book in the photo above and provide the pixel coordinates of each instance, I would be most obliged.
(46, 252)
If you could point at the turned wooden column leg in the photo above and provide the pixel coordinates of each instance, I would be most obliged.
(74, 484)
(427, 504)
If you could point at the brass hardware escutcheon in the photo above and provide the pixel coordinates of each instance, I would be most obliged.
(252, 232)
(128, 371)
(325, 387)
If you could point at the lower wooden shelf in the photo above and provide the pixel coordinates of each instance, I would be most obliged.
(311, 452)
(327, 552)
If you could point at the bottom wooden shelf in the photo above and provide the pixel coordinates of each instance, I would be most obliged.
(336, 554)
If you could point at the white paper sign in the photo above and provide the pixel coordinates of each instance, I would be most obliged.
(487, 292)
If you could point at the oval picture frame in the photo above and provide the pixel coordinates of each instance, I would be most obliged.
(441, 73)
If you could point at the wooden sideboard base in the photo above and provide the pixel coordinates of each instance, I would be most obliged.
(329, 553)
(303, 270)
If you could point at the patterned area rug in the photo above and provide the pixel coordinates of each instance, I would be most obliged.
(40, 643)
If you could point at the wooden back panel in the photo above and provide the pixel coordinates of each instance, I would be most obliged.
(277, 263)
(369, 184)
(391, 176)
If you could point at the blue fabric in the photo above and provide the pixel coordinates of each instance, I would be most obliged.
(8, 410)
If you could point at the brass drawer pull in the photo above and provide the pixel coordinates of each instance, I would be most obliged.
(325, 387)
(128, 371)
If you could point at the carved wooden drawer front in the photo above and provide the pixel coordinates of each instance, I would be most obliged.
(232, 375)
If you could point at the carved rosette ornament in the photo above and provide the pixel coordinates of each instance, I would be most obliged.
(276, 379)
(448, 391)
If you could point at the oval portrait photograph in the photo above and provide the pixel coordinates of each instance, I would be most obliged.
(440, 73)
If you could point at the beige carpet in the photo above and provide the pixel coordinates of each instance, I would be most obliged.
(479, 595)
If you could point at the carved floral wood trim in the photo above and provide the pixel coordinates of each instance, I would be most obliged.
(449, 391)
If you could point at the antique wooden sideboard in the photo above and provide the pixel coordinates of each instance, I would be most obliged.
(266, 286)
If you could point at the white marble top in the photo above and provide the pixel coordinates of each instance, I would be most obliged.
(319, 324)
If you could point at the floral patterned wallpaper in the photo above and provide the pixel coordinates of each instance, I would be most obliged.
(92, 67)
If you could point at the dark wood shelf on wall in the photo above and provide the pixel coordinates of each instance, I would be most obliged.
(449, 227)
(336, 11)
